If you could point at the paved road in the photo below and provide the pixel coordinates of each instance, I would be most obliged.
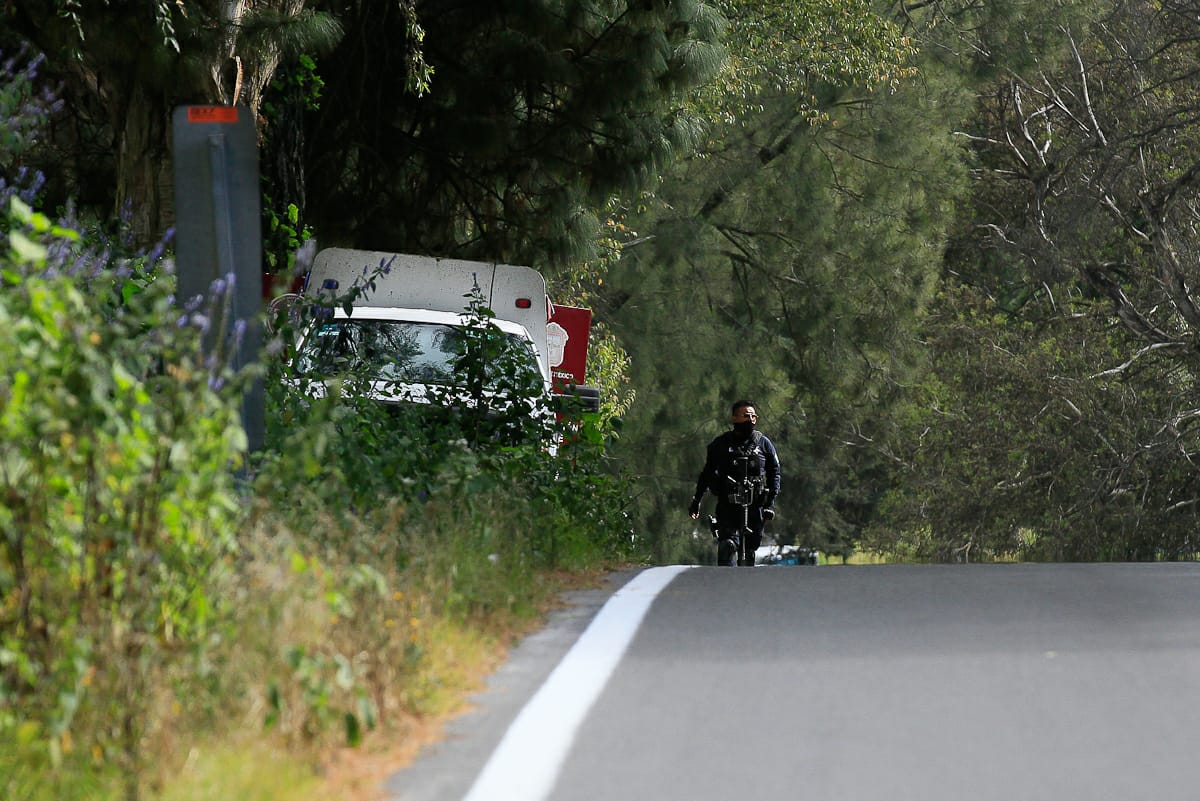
(962, 683)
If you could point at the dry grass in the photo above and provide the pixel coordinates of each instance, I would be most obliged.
(457, 657)
(258, 722)
(358, 774)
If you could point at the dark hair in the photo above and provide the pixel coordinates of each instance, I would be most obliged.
(739, 405)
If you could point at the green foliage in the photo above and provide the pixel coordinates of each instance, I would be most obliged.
(608, 369)
(117, 500)
(498, 393)
(302, 80)
(539, 113)
(1010, 447)
(1084, 205)
(417, 69)
(791, 270)
(161, 16)
(799, 48)
(23, 107)
(296, 88)
(282, 237)
(492, 428)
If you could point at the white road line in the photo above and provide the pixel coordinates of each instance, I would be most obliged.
(527, 761)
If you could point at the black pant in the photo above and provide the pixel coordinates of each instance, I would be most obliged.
(731, 521)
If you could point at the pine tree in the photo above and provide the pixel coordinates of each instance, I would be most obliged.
(788, 264)
(536, 113)
(126, 65)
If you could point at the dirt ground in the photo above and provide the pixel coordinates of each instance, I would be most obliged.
(358, 774)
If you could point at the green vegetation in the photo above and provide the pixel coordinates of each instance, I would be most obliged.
(148, 589)
(162, 587)
(948, 248)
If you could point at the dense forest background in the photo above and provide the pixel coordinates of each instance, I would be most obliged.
(948, 247)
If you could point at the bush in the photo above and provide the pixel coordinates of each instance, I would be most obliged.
(119, 505)
(353, 453)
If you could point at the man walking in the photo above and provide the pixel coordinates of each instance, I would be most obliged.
(741, 468)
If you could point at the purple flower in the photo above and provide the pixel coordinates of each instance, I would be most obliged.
(154, 255)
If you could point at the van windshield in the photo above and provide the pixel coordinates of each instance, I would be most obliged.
(391, 350)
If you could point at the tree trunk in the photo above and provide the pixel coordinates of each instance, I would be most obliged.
(145, 193)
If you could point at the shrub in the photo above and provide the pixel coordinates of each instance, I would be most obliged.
(119, 508)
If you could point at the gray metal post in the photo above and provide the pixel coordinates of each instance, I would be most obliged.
(219, 233)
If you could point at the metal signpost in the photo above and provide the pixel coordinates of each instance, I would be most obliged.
(218, 233)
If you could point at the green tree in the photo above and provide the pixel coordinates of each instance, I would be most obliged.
(1087, 190)
(1007, 447)
(126, 64)
(800, 50)
(1101, 145)
(537, 114)
(788, 262)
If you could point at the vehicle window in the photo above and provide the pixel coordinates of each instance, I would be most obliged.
(389, 350)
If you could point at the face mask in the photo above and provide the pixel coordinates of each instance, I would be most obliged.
(744, 428)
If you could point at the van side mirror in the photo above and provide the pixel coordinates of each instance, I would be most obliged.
(577, 399)
(278, 307)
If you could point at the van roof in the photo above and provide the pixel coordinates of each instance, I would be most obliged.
(406, 281)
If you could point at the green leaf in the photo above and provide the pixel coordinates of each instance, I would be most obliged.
(27, 251)
(353, 730)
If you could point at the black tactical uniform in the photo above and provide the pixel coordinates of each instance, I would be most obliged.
(741, 468)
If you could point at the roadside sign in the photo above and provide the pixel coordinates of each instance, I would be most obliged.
(218, 232)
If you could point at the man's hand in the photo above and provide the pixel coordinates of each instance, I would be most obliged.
(768, 514)
(694, 508)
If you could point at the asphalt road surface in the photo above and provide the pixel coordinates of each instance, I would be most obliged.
(888, 683)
